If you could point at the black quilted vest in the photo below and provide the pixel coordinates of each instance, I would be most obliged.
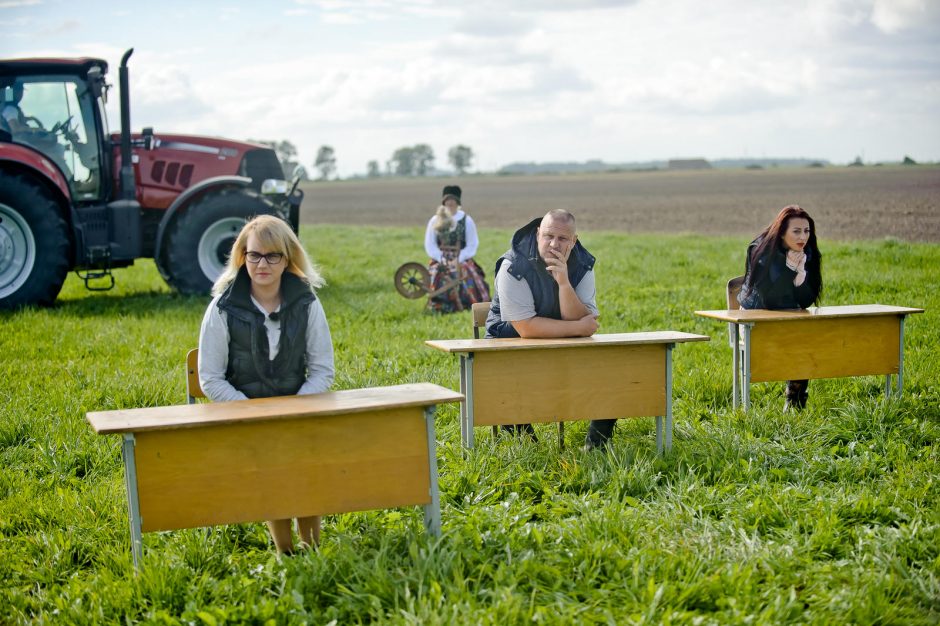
(526, 264)
(250, 370)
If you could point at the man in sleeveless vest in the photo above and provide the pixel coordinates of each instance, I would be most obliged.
(545, 288)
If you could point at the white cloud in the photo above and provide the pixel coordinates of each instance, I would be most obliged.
(60, 28)
(892, 16)
(619, 80)
(492, 25)
(15, 4)
(832, 18)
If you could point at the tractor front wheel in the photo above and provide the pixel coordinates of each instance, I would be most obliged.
(201, 240)
(34, 244)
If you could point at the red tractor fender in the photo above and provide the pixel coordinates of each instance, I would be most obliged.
(32, 160)
(187, 197)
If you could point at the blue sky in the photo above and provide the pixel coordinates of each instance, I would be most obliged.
(614, 80)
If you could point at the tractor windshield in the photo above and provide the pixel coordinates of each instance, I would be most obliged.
(56, 115)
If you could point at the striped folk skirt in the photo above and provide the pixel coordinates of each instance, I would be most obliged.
(468, 290)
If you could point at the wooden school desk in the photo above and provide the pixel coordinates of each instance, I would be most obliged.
(276, 458)
(525, 381)
(819, 342)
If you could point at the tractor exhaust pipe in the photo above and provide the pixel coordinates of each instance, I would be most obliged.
(124, 232)
(128, 185)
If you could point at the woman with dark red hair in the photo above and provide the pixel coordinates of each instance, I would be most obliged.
(784, 271)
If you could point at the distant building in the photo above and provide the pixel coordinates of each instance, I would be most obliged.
(688, 164)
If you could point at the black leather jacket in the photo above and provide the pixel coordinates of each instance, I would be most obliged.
(774, 287)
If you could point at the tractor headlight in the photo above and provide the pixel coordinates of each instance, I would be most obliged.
(273, 187)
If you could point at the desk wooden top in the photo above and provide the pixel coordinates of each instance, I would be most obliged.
(821, 312)
(329, 403)
(517, 343)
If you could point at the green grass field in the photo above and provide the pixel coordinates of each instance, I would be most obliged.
(828, 516)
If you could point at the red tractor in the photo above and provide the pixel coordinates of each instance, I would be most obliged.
(73, 196)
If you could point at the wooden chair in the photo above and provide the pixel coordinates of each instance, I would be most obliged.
(480, 311)
(193, 389)
(733, 289)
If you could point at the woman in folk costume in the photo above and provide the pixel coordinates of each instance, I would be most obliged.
(451, 241)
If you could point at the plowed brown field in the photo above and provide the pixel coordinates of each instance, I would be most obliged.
(846, 202)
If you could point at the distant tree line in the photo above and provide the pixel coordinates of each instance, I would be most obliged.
(417, 160)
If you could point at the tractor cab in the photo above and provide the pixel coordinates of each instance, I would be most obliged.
(75, 197)
(62, 117)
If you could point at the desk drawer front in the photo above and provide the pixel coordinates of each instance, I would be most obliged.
(282, 468)
(560, 384)
(825, 348)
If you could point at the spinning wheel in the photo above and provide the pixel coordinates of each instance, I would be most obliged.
(413, 280)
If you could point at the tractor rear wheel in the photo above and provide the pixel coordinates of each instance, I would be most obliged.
(200, 241)
(34, 244)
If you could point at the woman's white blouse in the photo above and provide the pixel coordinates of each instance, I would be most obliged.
(467, 252)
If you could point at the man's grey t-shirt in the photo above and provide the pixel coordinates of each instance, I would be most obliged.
(515, 298)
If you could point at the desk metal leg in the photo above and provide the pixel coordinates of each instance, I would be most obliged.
(669, 348)
(133, 500)
(736, 366)
(901, 357)
(659, 434)
(463, 405)
(746, 382)
(432, 511)
(664, 434)
(468, 393)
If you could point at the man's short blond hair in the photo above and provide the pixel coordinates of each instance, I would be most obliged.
(560, 215)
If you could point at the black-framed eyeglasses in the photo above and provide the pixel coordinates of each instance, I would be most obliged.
(272, 258)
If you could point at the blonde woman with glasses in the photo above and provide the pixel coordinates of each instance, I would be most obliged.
(265, 333)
